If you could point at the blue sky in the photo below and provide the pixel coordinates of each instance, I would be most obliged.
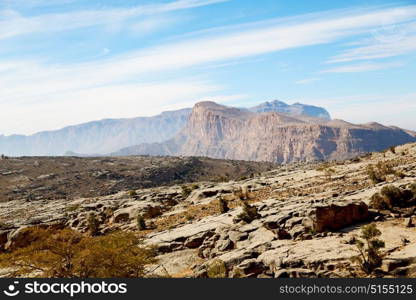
(64, 62)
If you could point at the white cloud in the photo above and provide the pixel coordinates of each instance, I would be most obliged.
(33, 90)
(35, 78)
(363, 67)
(387, 41)
(307, 81)
(14, 24)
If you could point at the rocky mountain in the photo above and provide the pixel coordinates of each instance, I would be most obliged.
(294, 109)
(219, 131)
(105, 136)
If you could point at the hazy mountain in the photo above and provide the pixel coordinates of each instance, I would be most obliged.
(97, 137)
(294, 109)
(225, 132)
(105, 136)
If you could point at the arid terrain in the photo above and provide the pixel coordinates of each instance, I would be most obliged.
(297, 220)
(45, 178)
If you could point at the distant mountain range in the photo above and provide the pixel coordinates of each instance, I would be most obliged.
(110, 135)
(219, 131)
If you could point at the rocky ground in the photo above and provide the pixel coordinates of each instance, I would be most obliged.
(47, 178)
(304, 223)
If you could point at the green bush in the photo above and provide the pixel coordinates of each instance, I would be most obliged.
(68, 254)
(369, 248)
(217, 269)
(186, 191)
(249, 213)
(223, 205)
(93, 224)
(141, 224)
(391, 196)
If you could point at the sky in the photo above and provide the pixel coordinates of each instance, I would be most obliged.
(65, 62)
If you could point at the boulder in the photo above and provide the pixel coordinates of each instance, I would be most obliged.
(252, 267)
(283, 234)
(335, 217)
(196, 240)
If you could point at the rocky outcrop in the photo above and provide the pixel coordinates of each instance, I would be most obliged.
(225, 132)
(335, 217)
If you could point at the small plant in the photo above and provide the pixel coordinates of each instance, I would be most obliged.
(186, 191)
(189, 217)
(141, 224)
(328, 173)
(93, 224)
(132, 194)
(194, 186)
(249, 213)
(217, 269)
(237, 273)
(369, 248)
(392, 149)
(223, 205)
(72, 208)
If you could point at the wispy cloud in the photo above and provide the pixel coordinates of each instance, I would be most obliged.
(40, 78)
(12, 23)
(307, 81)
(57, 88)
(385, 43)
(363, 67)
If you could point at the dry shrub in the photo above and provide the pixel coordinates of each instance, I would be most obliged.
(217, 269)
(67, 254)
(390, 197)
(223, 206)
(377, 173)
(249, 213)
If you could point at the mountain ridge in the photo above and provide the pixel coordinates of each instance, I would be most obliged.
(109, 135)
(219, 131)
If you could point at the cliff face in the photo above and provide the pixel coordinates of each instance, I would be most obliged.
(223, 132)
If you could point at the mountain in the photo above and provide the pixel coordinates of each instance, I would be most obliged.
(294, 109)
(105, 136)
(97, 137)
(219, 131)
